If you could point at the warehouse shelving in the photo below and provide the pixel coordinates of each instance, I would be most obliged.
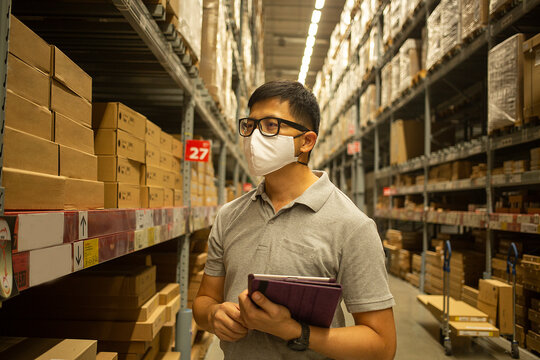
(133, 57)
(460, 75)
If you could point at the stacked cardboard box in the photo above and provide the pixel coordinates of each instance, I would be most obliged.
(408, 240)
(396, 77)
(495, 299)
(434, 29)
(49, 145)
(201, 344)
(535, 159)
(434, 273)
(531, 79)
(406, 140)
(474, 16)
(36, 348)
(469, 295)
(393, 258)
(466, 268)
(451, 25)
(409, 62)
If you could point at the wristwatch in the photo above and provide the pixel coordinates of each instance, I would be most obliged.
(301, 343)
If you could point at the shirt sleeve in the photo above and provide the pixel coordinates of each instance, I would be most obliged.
(362, 271)
(214, 263)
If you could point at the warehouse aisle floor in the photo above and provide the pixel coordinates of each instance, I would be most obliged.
(418, 333)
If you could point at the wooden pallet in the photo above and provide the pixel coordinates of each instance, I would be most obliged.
(474, 34)
(503, 9)
(533, 341)
(451, 53)
(419, 77)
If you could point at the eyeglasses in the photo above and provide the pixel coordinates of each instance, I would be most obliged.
(268, 126)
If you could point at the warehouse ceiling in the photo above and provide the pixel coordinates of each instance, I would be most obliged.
(286, 25)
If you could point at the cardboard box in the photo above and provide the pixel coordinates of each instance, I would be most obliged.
(502, 293)
(24, 115)
(473, 329)
(73, 134)
(165, 142)
(84, 194)
(69, 74)
(173, 307)
(152, 154)
(167, 336)
(177, 148)
(113, 168)
(151, 176)
(178, 182)
(459, 310)
(27, 81)
(166, 161)
(531, 78)
(77, 164)
(169, 178)
(28, 46)
(178, 197)
(176, 165)
(119, 142)
(46, 349)
(28, 152)
(168, 292)
(122, 196)
(67, 103)
(116, 115)
(168, 197)
(170, 355)
(153, 133)
(125, 347)
(107, 356)
(406, 140)
(49, 263)
(151, 196)
(490, 310)
(26, 190)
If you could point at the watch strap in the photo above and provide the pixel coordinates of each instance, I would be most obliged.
(301, 343)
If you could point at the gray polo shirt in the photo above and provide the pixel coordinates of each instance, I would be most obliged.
(321, 233)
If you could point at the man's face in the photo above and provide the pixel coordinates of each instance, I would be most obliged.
(275, 108)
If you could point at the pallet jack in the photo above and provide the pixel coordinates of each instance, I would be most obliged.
(511, 263)
(445, 326)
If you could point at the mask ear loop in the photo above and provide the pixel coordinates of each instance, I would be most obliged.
(300, 162)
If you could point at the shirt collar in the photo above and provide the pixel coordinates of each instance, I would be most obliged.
(314, 197)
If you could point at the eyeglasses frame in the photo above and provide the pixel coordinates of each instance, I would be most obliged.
(280, 120)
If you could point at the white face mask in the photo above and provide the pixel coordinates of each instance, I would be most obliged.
(267, 154)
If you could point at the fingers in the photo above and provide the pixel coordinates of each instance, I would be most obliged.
(262, 301)
(233, 310)
(226, 327)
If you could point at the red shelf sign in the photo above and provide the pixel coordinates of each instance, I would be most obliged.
(198, 150)
(353, 148)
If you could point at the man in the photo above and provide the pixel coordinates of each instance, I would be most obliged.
(295, 223)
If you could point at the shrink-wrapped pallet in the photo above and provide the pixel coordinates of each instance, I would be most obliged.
(451, 25)
(474, 16)
(190, 19)
(505, 83)
(396, 76)
(373, 50)
(409, 62)
(396, 14)
(368, 104)
(387, 25)
(356, 32)
(434, 29)
(386, 85)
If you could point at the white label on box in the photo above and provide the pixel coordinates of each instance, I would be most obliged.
(516, 178)
(149, 218)
(140, 219)
(141, 239)
(78, 255)
(83, 225)
(529, 228)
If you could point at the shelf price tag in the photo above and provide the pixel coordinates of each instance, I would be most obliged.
(198, 150)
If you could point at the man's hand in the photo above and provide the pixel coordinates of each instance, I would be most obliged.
(271, 318)
(227, 323)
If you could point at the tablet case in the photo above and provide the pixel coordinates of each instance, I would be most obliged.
(311, 302)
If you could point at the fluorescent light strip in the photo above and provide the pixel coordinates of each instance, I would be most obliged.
(310, 40)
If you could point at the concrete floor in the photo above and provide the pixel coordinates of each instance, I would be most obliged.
(418, 333)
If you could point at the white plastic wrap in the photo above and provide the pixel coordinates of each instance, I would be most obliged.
(373, 53)
(409, 62)
(474, 16)
(356, 31)
(387, 24)
(211, 62)
(367, 14)
(434, 51)
(396, 14)
(505, 83)
(190, 15)
(386, 85)
(396, 77)
(368, 105)
(451, 25)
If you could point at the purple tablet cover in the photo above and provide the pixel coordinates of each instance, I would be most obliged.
(311, 302)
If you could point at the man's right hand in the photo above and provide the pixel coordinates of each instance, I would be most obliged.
(227, 323)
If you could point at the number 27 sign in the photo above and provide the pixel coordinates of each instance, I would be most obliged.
(198, 150)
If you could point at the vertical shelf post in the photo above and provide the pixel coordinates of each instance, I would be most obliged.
(236, 177)
(184, 316)
(342, 180)
(375, 166)
(222, 173)
(427, 151)
(5, 12)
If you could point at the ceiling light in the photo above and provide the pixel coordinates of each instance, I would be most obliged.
(313, 29)
(310, 42)
(316, 17)
(319, 4)
(308, 51)
(306, 60)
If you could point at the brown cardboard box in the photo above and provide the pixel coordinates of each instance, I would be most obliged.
(122, 196)
(45, 349)
(28, 152)
(113, 168)
(119, 142)
(67, 103)
(459, 311)
(71, 133)
(173, 307)
(167, 336)
(531, 78)
(177, 148)
(151, 176)
(168, 292)
(107, 356)
(69, 74)
(170, 355)
(176, 165)
(461, 169)
(27, 81)
(125, 347)
(488, 292)
(168, 179)
(178, 197)
(24, 115)
(153, 133)
(460, 328)
(151, 197)
(84, 194)
(503, 302)
(165, 142)
(166, 160)
(178, 182)
(77, 164)
(152, 154)
(28, 46)
(490, 310)
(116, 115)
(406, 140)
(27, 190)
(168, 197)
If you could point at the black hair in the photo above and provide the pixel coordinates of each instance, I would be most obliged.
(302, 102)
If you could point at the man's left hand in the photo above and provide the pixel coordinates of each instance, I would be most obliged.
(271, 318)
